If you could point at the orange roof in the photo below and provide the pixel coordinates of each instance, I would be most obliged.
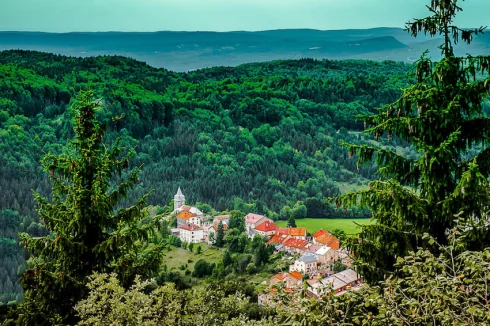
(295, 243)
(319, 233)
(329, 240)
(276, 239)
(296, 275)
(280, 276)
(266, 226)
(185, 215)
(295, 232)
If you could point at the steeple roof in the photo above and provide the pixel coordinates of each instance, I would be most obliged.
(179, 195)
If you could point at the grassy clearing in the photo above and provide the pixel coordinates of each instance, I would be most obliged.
(346, 187)
(178, 256)
(314, 224)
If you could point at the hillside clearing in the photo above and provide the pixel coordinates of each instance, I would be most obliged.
(348, 225)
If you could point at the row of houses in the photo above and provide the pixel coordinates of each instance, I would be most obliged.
(293, 282)
(335, 284)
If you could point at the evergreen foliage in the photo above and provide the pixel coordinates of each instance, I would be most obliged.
(443, 118)
(220, 235)
(87, 232)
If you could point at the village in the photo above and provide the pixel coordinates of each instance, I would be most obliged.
(312, 257)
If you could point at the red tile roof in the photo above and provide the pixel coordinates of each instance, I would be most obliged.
(329, 240)
(295, 232)
(276, 239)
(296, 275)
(295, 243)
(320, 233)
(185, 215)
(190, 227)
(280, 276)
(266, 226)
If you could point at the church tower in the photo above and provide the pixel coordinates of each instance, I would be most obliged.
(179, 199)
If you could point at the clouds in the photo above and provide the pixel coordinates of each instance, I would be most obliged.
(218, 15)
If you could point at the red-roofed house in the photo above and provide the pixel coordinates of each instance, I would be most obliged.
(320, 233)
(325, 238)
(186, 217)
(292, 280)
(267, 228)
(293, 245)
(251, 221)
(277, 239)
(298, 233)
(210, 232)
(191, 233)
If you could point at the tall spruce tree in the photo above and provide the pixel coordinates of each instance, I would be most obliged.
(220, 235)
(87, 231)
(441, 116)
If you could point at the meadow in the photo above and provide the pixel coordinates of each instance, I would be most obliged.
(348, 225)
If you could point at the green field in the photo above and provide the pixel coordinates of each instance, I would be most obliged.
(178, 256)
(314, 224)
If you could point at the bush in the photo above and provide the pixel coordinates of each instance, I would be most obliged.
(251, 268)
(202, 268)
(108, 303)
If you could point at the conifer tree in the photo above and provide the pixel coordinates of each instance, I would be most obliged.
(220, 235)
(292, 222)
(88, 230)
(441, 116)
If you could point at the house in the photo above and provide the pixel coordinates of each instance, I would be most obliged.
(278, 239)
(336, 283)
(270, 298)
(211, 229)
(186, 217)
(349, 277)
(175, 231)
(324, 237)
(266, 228)
(311, 248)
(306, 264)
(251, 221)
(225, 219)
(327, 255)
(191, 233)
(296, 280)
(345, 258)
(292, 280)
(298, 233)
(293, 245)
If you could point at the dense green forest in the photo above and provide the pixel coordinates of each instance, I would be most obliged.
(260, 137)
(270, 132)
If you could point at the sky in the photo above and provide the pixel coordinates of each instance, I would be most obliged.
(219, 15)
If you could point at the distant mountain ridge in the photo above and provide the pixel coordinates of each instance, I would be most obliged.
(183, 51)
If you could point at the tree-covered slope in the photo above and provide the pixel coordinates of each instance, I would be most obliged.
(265, 133)
(260, 137)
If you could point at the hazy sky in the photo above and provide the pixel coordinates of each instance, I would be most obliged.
(219, 15)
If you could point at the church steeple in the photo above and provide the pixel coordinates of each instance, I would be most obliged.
(179, 199)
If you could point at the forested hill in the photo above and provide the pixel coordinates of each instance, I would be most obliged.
(259, 137)
(263, 133)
